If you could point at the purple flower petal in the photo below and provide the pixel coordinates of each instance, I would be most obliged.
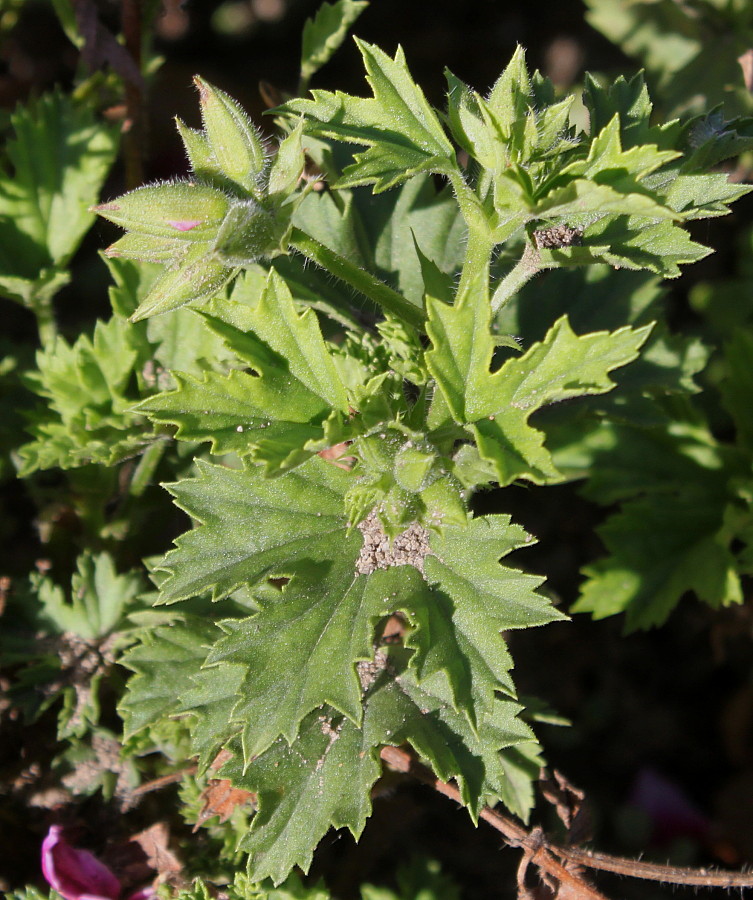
(76, 874)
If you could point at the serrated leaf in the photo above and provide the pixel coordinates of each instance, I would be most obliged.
(323, 34)
(60, 157)
(166, 657)
(233, 411)
(88, 393)
(281, 414)
(393, 156)
(703, 196)
(98, 598)
(661, 548)
(712, 139)
(497, 405)
(325, 617)
(252, 528)
(630, 102)
(468, 600)
(331, 766)
(631, 242)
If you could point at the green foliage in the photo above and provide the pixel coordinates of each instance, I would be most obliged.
(63, 642)
(323, 34)
(88, 389)
(326, 429)
(692, 50)
(52, 170)
(421, 879)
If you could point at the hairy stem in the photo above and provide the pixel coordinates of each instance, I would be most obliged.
(522, 272)
(364, 282)
(542, 853)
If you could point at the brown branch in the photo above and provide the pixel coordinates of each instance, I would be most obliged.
(543, 853)
(157, 784)
(515, 835)
(636, 868)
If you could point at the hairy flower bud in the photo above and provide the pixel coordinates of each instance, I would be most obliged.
(185, 210)
(231, 135)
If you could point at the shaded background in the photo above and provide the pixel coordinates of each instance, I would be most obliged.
(656, 713)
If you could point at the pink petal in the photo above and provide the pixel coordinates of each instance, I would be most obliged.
(184, 224)
(76, 874)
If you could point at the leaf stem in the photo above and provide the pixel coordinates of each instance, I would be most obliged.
(144, 471)
(477, 256)
(44, 312)
(522, 272)
(364, 282)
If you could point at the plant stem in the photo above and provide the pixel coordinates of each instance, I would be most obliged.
(542, 852)
(515, 835)
(144, 472)
(45, 316)
(476, 264)
(522, 272)
(357, 278)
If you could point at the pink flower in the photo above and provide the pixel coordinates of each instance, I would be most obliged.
(77, 874)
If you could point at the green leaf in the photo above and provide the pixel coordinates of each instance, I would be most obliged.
(296, 338)
(661, 547)
(98, 598)
(712, 139)
(631, 242)
(497, 405)
(88, 394)
(162, 662)
(324, 34)
(253, 528)
(56, 162)
(325, 617)
(281, 414)
(420, 144)
(469, 600)
(331, 766)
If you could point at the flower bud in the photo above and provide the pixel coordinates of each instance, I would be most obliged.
(185, 211)
(231, 135)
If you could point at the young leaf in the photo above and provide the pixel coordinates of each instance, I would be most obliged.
(88, 394)
(497, 405)
(393, 156)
